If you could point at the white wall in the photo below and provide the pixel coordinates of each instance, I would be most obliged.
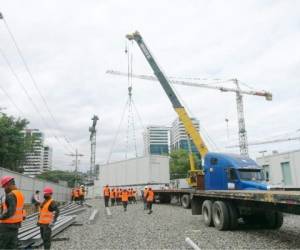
(29, 185)
(274, 161)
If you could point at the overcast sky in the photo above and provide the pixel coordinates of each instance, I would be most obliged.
(69, 45)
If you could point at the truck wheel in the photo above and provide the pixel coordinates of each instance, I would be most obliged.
(233, 216)
(273, 219)
(220, 215)
(186, 201)
(207, 213)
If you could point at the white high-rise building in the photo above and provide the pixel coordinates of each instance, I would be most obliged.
(47, 161)
(157, 140)
(39, 158)
(179, 136)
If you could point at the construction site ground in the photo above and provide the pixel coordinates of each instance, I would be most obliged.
(167, 228)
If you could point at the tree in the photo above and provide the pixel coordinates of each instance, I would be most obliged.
(180, 164)
(13, 144)
(59, 175)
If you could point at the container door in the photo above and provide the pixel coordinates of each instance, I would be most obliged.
(286, 173)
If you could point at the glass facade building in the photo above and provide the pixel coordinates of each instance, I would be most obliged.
(157, 140)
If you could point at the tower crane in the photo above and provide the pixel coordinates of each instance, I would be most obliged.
(93, 131)
(243, 142)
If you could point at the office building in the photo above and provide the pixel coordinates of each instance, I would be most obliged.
(282, 169)
(156, 140)
(179, 138)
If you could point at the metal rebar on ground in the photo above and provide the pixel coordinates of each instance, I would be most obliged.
(191, 243)
(29, 233)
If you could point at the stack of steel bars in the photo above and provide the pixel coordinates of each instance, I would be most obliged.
(29, 233)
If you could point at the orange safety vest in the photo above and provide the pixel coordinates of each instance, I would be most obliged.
(46, 217)
(150, 196)
(112, 194)
(145, 193)
(124, 196)
(106, 191)
(76, 195)
(19, 214)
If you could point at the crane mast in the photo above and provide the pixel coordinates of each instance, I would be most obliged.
(93, 131)
(178, 107)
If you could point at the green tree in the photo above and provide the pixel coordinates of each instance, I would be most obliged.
(180, 164)
(13, 144)
(59, 175)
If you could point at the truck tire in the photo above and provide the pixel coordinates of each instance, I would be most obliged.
(233, 216)
(220, 215)
(186, 201)
(273, 219)
(207, 213)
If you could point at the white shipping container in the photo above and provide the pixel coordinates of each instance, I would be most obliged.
(152, 169)
(138, 172)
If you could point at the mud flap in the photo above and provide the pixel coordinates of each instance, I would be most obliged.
(196, 204)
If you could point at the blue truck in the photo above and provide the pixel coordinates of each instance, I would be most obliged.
(227, 188)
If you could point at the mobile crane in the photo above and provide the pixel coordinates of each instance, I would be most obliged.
(195, 175)
(234, 185)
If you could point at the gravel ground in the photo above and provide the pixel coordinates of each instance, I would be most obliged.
(167, 228)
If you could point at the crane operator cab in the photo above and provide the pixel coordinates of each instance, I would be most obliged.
(232, 172)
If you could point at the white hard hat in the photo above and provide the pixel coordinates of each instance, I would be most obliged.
(146, 187)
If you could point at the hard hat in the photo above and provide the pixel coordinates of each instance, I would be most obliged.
(81, 186)
(6, 179)
(48, 190)
(146, 187)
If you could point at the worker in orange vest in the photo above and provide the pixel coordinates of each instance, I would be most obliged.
(119, 200)
(112, 197)
(144, 197)
(12, 213)
(47, 216)
(125, 199)
(81, 194)
(106, 194)
(76, 194)
(150, 199)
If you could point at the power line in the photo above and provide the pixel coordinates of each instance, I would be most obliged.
(12, 101)
(34, 81)
(28, 96)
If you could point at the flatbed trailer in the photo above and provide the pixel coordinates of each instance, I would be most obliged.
(224, 209)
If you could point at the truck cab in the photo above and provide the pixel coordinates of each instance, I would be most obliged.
(232, 172)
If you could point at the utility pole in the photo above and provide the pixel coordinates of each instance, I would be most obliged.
(76, 155)
(93, 131)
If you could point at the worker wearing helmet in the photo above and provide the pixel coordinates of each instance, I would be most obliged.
(112, 196)
(47, 217)
(144, 197)
(81, 194)
(124, 197)
(150, 199)
(106, 194)
(12, 213)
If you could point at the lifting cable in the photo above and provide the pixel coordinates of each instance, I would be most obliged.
(129, 108)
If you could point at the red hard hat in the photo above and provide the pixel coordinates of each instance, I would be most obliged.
(6, 179)
(48, 190)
